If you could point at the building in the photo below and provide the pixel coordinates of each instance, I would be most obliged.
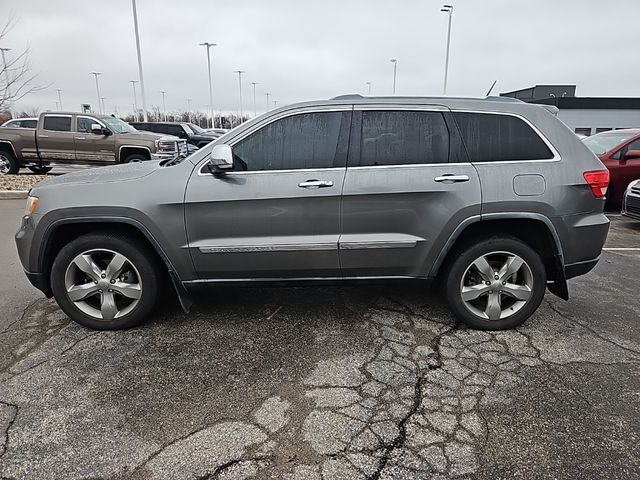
(584, 115)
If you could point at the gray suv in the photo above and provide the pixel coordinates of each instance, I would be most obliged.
(494, 200)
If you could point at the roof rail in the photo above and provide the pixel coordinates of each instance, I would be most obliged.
(348, 96)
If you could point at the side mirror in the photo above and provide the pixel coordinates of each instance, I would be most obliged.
(220, 159)
(632, 154)
(97, 129)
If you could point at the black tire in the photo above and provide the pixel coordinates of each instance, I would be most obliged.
(40, 170)
(8, 163)
(138, 255)
(468, 254)
(135, 157)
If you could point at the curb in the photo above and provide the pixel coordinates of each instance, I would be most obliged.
(13, 194)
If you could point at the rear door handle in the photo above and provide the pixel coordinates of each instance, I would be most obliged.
(43, 136)
(451, 178)
(80, 138)
(316, 184)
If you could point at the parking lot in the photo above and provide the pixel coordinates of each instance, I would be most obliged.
(339, 382)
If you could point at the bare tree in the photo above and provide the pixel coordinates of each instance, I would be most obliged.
(16, 78)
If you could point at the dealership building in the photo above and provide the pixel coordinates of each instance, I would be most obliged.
(584, 115)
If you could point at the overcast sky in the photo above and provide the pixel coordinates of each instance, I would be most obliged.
(310, 49)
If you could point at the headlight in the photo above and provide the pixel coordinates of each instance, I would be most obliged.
(32, 205)
(165, 145)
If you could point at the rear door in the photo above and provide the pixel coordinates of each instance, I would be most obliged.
(408, 185)
(55, 139)
(92, 148)
(277, 215)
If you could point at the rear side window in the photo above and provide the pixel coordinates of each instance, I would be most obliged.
(500, 138)
(57, 124)
(308, 140)
(29, 123)
(403, 138)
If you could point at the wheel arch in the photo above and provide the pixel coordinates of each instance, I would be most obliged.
(536, 230)
(125, 150)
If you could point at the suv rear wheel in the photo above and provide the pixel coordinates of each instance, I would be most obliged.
(496, 283)
(105, 282)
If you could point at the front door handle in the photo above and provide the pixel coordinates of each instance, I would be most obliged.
(451, 178)
(316, 184)
(80, 138)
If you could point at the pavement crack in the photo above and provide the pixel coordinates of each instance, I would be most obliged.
(225, 466)
(5, 444)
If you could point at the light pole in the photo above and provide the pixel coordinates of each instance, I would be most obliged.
(135, 100)
(448, 9)
(275, 104)
(255, 110)
(6, 72)
(164, 105)
(59, 97)
(209, 45)
(57, 106)
(104, 110)
(369, 87)
(395, 71)
(267, 95)
(135, 26)
(97, 89)
(189, 109)
(240, 72)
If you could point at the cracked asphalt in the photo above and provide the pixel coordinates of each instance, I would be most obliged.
(325, 383)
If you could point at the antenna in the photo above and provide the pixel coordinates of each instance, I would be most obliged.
(492, 85)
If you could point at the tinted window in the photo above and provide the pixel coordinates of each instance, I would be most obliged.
(308, 140)
(57, 124)
(29, 123)
(499, 138)
(400, 138)
(634, 145)
(175, 130)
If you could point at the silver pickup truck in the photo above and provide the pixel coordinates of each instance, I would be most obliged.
(82, 139)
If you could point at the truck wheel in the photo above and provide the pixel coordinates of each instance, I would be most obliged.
(40, 170)
(496, 283)
(8, 163)
(105, 281)
(135, 157)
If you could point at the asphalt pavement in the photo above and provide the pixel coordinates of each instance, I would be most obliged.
(333, 383)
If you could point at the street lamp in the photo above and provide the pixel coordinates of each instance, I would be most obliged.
(255, 110)
(448, 9)
(97, 89)
(59, 97)
(240, 72)
(209, 45)
(267, 95)
(135, 100)
(135, 26)
(369, 87)
(395, 71)
(3, 50)
(104, 110)
(164, 105)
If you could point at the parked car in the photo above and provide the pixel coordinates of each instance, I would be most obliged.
(495, 201)
(631, 200)
(192, 133)
(218, 131)
(619, 150)
(80, 138)
(21, 123)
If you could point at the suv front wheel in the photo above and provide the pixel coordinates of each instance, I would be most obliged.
(105, 281)
(496, 283)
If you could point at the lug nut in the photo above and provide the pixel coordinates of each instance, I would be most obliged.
(488, 283)
(113, 281)
(104, 275)
(504, 283)
(110, 290)
(496, 277)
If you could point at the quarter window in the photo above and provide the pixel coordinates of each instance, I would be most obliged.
(308, 140)
(500, 138)
(401, 138)
(57, 124)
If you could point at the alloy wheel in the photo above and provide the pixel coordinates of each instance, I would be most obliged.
(103, 284)
(5, 164)
(496, 285)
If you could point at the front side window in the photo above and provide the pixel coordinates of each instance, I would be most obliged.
(57, 124)
(308, 140)
(500, 138)
(604, 142)
(84, 124)
(403, 138)
(117, 125)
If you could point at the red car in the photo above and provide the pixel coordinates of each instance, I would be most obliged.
(619, 150)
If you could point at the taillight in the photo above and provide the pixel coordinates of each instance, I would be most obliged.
(598, 181)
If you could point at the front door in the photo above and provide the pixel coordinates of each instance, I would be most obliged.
(277, 214)
(407, 187)
(55, 139)
(90, 147)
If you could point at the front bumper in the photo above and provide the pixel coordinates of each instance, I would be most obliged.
(631, 204)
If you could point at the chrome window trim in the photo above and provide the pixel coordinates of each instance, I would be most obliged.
(302, 247)
(266, 172)
(556, 155)
(89, 118)
(414, 165)
(63, 115)
(269, 120)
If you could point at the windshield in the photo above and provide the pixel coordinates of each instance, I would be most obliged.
(118, 125)
(604, 142)
(196, 128)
